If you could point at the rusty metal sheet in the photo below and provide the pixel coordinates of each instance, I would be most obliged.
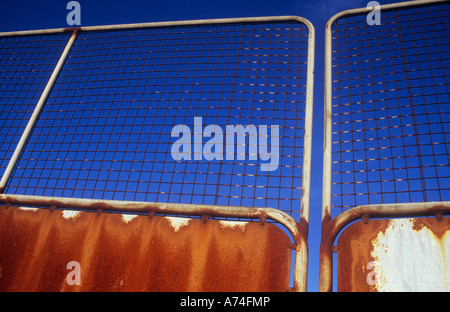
(63, 250)
(409, 254)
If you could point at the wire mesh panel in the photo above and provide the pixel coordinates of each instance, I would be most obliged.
(26, 63)
(391, 107)
(195, 114)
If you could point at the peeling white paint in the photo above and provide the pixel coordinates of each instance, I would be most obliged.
(407, 259)
(177, 223)
(28, 209)
(68, 214)
(128, 217)
(233, 224)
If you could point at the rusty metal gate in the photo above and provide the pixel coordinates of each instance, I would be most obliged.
(386, 149)
(196, 136)
(120, 118)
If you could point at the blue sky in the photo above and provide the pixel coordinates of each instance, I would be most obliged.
(43, 14)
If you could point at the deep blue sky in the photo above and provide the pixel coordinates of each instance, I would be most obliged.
(28, 15)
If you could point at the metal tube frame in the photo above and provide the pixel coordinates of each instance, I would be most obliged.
(298, 230)
(332, 227)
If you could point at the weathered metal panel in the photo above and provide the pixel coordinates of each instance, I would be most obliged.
(117, 252)
(410, 254)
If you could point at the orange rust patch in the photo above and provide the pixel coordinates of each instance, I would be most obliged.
(438, 227)
(354, 246)
(142, 254)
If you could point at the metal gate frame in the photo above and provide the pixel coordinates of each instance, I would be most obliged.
(332, 227)
(298, 230)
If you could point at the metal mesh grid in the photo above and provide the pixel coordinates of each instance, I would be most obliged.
(26, 64)
(391, 108)
(105, 132)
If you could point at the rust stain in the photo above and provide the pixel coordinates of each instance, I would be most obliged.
(326, 254)
(354, 246)
(72, 29)
(356, 249)
(139, 253)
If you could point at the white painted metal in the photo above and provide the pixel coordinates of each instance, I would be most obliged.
(407, 259)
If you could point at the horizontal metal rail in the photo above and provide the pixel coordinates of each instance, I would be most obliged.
(163, 208)
(387, 211)
(383, 7)
(162, 24)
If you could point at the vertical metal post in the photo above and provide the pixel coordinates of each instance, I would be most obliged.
(306, 174)
(301, 269)
(37, 110)
(325, 255)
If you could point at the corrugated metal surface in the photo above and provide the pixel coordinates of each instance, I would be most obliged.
(395, 255)
(138, 253)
